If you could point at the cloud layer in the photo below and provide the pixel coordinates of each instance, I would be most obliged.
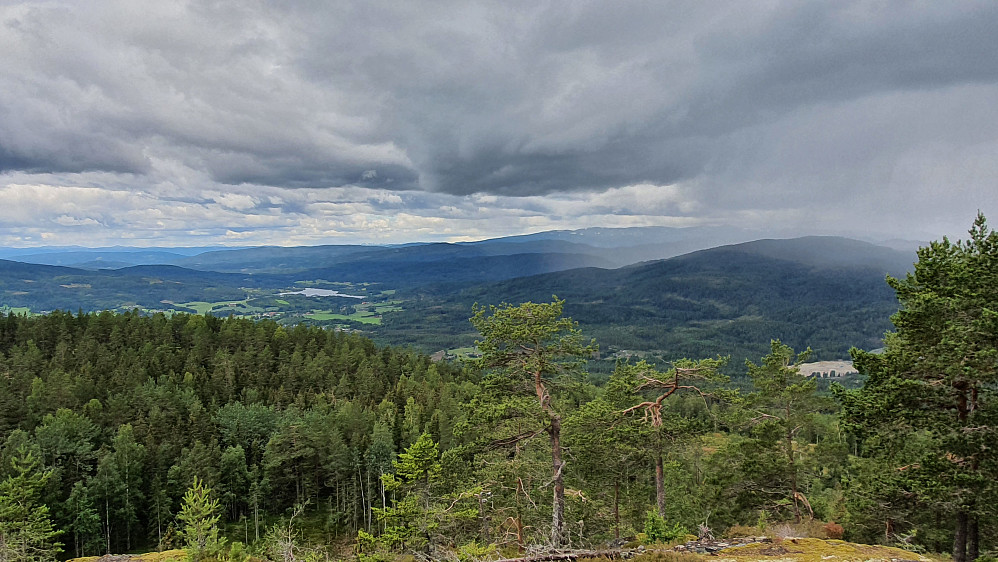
(306, 122)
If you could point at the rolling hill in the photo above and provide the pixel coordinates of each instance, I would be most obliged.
(725, 300)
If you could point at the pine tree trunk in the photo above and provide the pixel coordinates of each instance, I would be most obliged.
(616, 509)
(660, 482)
(973, 539)
(960, 538)
(962, 521)
(363, 501)
(256, 515)
(107, 518)
(558, 515)
(793, 469)
(128, 511)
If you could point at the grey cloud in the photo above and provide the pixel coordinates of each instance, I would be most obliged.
(749, 105)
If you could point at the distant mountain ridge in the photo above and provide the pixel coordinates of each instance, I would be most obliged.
(822, 291)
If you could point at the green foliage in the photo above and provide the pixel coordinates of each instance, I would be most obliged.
(926, 416)
(532, 339)
(26, 532)
(412, 522)
(416, 468)
(199, 523)
(237, 553)
(474, 552)
(123, 410)
(657, 530)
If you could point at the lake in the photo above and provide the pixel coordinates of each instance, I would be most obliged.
(310, 292)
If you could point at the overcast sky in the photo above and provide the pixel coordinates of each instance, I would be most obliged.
(308, 122)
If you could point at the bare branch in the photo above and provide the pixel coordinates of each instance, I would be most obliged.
(515, 439)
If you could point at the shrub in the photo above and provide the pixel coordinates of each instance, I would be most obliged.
(473, 551)
(657, 530)
(237, 552)
(833, 530)
(785, 531)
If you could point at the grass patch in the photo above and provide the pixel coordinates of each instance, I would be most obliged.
(235, 307)
(17, 310)
(177, 555)
(463, 352)
(364, 317)
(390, 306)
(815, 550)
(201, 307)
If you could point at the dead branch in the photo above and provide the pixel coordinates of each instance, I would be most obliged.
(762, 416)
(653, 410)
(461, 496)
(802, 498)
(523, 489)
(515, 439)
(556, 475)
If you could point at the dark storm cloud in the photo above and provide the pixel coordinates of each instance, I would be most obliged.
(522, 99)
(817, 101)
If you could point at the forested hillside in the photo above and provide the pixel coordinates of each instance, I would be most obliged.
(126, 409)
(826, 293)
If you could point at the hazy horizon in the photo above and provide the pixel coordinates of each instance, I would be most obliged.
(732, 236)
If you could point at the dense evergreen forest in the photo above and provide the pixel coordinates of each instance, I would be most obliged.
(132, 432)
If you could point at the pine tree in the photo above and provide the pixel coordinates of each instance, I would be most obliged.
(409, 522)
(937, 383)
(199, 515)
(531, 351)
(685, 376)
(26, 533)
(785, 403)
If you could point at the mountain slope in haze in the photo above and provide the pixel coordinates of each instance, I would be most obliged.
(832, 252)
(612, 247)
(75, 256)
(302, 259)
(97, 258)
(271, 259)
(827, 293)
(600, 237)
(450, 272)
